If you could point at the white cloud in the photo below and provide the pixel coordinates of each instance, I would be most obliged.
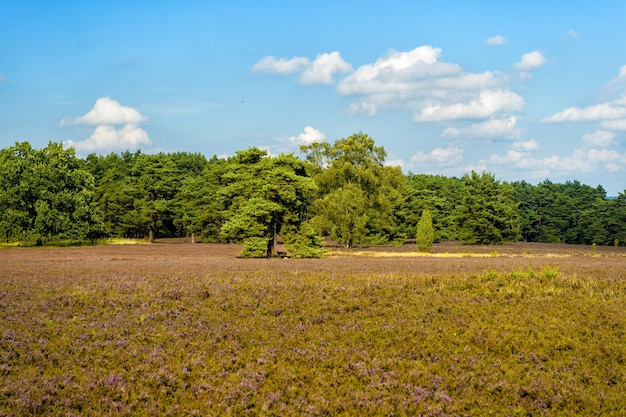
(525, 146)
(488, 103)
(614, 124)
(571, 34)
(577, 162)
(417, 80)
(517, 159)
(600, 138)
(281, 66)
(107, 112)
(440, 156)
(309, 136)
(3, 77)
(394, 163)
(580, 161)
(107, 137)
(519, 156)
(604, 111)
(495, 40)
(322, 69)
(433, 90)
(398, 73)
(616, 84)
(493, 128)
(530, 60)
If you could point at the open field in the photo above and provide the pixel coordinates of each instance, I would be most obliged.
(181, 329)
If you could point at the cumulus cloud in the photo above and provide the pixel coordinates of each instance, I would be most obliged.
(401, 74)
(519, 155)
(525, 146)
(107, 112)
(309, 136)
(495, 40)
(108, 137)
(600, 138)
(584, 159)
(319, 71)
(281, 66)
(488, 103)
(530, 60)
(440, 156)
(433, 90)
(496, 127)
(417, 80)
(617, 84)
(604, 111)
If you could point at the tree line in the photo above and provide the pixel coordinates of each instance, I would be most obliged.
(342, 191)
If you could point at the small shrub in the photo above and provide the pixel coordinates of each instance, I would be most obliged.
(549, 272)
(425, 232)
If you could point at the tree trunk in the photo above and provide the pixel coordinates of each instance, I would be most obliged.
(151, 233)
(193, 238)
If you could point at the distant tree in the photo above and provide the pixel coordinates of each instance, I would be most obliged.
(488, 213)
(425, 232)
(46, 194)
(526, 196)
(200, 202)
(436, 193)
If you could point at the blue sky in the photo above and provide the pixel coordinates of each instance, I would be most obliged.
(526, 90)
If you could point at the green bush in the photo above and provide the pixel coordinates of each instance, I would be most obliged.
(254, 247)
(305, 243)
(425, 232)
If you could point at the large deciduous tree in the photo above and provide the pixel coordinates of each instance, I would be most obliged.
(46, 194)
(358, 195)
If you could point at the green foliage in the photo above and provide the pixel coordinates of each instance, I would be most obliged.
(304, 242)
(425, 235)
(488, 214)
(344, 190)
(45, 194)
(267, 195)
(436, 193)
(254, 247)
(357, 194)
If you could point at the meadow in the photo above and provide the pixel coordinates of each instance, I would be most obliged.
(182, 329)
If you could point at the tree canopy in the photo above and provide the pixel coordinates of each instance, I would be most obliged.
(342, 191)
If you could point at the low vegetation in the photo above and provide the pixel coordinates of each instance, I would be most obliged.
(191, 330)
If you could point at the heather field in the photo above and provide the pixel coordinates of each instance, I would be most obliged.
(182, 329)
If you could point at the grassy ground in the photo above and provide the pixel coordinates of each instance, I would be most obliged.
(180, 329)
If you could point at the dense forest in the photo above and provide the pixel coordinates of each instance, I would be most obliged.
(342, 191)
